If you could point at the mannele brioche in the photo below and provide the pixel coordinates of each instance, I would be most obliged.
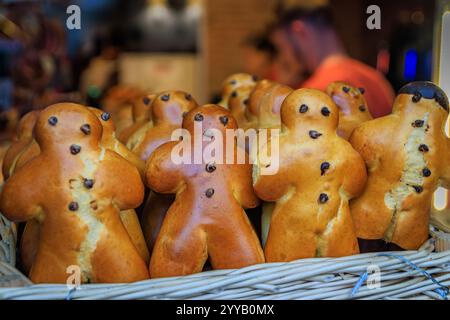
(352, 106)
(232, 83)
(78, 189)
(319, 172)
(207, 218)
(237, 104)
(406, 154)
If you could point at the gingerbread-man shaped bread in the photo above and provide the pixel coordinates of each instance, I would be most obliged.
(270, 106)
(29, 241)
(406, 154)
(24, 139)
(319, 172)
(237, 104)
(168, 109)
(207, 218)
(78, 189)
(232, 83)
(352, 106)
(254, 101)
(142, 116)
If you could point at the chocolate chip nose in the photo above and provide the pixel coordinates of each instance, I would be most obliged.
(53, 121)
(74, 149)
(86, 129)
(362, 108)
(224, 120)
(314, 134)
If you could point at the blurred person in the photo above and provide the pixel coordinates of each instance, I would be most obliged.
(258, 55)
(306, 38)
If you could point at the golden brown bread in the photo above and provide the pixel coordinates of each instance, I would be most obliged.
(352, 106)
(318, 174)
(407, 155)
(254, 101)
(29, 241)
(232, 83)
(24, 139)
(207, 218)
(270, 106)
(142, 114)
(78, 189)
(168, 109)
(237, 104)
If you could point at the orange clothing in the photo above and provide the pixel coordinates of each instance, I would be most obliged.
(378, 92)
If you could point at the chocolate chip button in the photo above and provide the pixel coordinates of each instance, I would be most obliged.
(314, 134)
(74, 149)
(88, 183)
(346, 89)
(362, 108)
(426, 172)
(416, 97)
(198, 117)
(53, 121)
(86, 129)
(418, 189)
(73, 206)
(362, 90)
(324, 167)
(418, 123)
(423, 148)
(303, 108)
(165, 97)
(105, 116)
(209, 193)
(210, 167)
(146, 101)
(323, 198)
(224, 120)
(325, 111)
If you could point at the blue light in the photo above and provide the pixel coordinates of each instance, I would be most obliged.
(409, 73)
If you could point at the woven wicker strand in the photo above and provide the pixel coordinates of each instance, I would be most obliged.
(317, 278)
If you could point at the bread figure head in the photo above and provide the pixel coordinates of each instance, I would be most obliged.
(255, 99)
(168, 109)
(407, 156)
(270, 106)
(238, 103)
(207, 218)
(352, 106)
(318, 173)
(78, 188)
(232, 83)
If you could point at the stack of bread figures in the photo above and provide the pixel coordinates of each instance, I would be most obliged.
(339, 179)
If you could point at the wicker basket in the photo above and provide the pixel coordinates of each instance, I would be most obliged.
(420, 274)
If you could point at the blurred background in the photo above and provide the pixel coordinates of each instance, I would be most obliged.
(191, 45)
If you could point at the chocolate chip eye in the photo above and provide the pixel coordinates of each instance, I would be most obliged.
(362, 90)
(198, 117)
(53, 121)
(209, 192)
(210, 167)
(325, 111)
(146, 100)
(418, 189)
(418, 123)
(188, 97)
(73, 206)
(224, 120)
(423, 148)
(234, 94)
(88, 183)
(416, 97)
(245, 102)
(324, 167)
(303, 108)
(86, 129)
(105, 116)
(314, 134)
(323, 198)
(346, 89)
(165, 97)
(362, 108)
(426, 172)
(74, 149)
(233, 82)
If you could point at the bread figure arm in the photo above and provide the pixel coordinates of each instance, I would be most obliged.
(355, 177)
(243, 186)
(19, 200)
(445, 176)
(162, 174)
